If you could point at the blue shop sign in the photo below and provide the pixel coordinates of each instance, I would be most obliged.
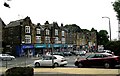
(27, 46)
(40, 46)
(65, 45)
(57, 45)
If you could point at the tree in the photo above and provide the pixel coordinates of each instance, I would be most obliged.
(116, 6)
(102, 37)
(113, 46)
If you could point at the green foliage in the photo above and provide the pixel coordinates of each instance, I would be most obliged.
(20, 71)
(116, 6)
(102, 37)
(113, 46)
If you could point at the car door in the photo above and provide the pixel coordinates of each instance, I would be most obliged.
(96, 60)
(46, 61)
(90, 60)
(8, 57)
(4, 56)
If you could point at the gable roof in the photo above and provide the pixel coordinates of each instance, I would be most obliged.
(2, 24)
(14, 23)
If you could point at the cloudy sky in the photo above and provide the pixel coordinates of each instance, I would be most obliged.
(84, 13)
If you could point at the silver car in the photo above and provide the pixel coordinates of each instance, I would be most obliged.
(6, 57)
(47, 61)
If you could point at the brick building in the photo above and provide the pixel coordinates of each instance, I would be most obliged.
(22, 37)
(2, 25)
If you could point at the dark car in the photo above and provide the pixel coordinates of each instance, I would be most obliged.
(98, 59)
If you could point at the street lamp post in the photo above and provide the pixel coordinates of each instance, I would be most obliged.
(109, 26)
(52, 43)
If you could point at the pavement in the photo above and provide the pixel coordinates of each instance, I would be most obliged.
(83, 71)
(76, 71)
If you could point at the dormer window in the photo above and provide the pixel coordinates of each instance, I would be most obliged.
(38, 31)
(27, 29)
(56, 32)
(47, 32)
(63, 33)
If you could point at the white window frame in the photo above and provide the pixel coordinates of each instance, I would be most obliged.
(47, 32)
(56, 31)
(38, 31)
(27, 38)
(27, 29)
(63, 33)
(47, 39)
(38, 39)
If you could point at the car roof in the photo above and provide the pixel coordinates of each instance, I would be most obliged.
(103, 53)
(58, 56)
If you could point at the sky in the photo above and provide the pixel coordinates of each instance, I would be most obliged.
(86, 14)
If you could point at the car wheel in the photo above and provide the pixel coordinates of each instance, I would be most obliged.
(37, 64)
(80, 65)
(11, 59)
(56, 65)
(3, 59)
(107, 65)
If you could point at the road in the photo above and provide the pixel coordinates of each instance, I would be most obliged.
(25, 61)
(68, 69)
(28, 61)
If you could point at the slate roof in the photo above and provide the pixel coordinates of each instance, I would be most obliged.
(14, 23)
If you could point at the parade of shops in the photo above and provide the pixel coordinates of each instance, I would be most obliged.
(22, 37)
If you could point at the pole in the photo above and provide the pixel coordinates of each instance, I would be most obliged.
(52, 43)
(109, 26)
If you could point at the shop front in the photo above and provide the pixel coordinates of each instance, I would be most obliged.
(57, 47)
(27, 50)
(39, 49)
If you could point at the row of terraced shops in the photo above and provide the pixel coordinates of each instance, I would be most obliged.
(42, 49)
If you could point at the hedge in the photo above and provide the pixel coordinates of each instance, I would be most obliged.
(20, 71)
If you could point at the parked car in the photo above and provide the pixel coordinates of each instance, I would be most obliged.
(73, 52)
(47, 61)
(98, 59)
(6, 57)
(106, 51)
(67, 53)
(59, 53)
(80, 53)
